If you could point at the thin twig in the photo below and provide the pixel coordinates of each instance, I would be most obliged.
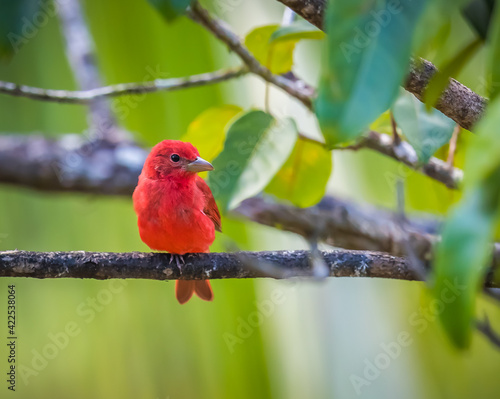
(452, 149)
(87, 96)
(486, 329)
(223, 33)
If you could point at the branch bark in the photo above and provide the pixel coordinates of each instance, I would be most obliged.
(70, 163)
(458, 102)
(157, 266)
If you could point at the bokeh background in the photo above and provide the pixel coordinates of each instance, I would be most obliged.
(133, 339)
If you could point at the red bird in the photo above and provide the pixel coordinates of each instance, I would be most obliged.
(175, 208)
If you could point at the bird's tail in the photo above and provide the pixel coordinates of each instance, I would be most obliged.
(184, 290)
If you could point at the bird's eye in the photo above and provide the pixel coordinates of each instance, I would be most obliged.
(175, 157)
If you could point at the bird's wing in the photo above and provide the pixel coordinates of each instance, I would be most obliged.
(210, 208)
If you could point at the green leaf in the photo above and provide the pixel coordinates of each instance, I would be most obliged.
(17, 25)
(461, 261)
(277, 56)
(256, 147)
(465, 249)
(452, 68)
(367, 57)
(170, 9)
(478, 13)
(494, 55)
(302, 179)
(207, 131)
(425, 131)
(296, 31)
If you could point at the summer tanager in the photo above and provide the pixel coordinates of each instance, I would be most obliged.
(176, 210)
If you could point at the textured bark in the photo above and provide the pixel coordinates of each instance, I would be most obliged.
(157, 266)
(457, 102)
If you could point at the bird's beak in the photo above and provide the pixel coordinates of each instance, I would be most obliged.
(199, 165)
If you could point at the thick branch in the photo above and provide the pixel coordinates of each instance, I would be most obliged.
(349, 225)
(222, 32)
(458, 102)
(157, 266)
(70, 163)
(87, 96)
(344, 224)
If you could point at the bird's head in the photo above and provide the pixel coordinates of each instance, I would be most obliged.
(173, 158)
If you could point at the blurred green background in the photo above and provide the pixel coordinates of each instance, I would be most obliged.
(137, 341)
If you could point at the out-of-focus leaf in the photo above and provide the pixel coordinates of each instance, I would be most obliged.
(452, 68)
(478, 13)
(482, 154)
(276, 56)
(302, 179)
(461, 260)
(465, 248)
(17, 25)
(170, 9)
(207, 131)
(297, 30)
(383, 123)
(425, 131)
(256, 147)
(494, 54)
(367, 57)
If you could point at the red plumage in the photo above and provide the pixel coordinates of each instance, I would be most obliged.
(175, 208)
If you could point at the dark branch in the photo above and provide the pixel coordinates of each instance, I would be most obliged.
(457, 102)
(349, 225)
(344, 224)
(157, 266)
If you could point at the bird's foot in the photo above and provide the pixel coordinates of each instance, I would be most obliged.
(179, 259)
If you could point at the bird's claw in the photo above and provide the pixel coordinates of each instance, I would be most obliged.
(178, 260)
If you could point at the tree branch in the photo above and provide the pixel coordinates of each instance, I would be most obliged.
(87, 96)
(344, 224)
(458, 102)
(295, 88)
(157, 266)
(349, 225)
(81, 57)
(70, 163)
